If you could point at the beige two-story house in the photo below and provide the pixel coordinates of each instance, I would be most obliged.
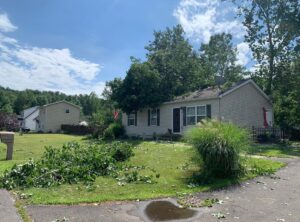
(53, 115)
(243, 104)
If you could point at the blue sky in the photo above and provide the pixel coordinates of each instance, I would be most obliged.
(75, 46)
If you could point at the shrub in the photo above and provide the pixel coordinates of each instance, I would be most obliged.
(113, 131)
(120, 151)
(218, 144)
(9, 122)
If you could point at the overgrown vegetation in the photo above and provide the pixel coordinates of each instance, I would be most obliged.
(8, 122)
(219, 145)
(71, 164)
(114, 131)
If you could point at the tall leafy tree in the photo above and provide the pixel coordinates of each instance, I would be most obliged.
(139, 89)
(287, 95)
(177, 64)
(271, 33)
(110, 92)
(219, 59)
(5, 105)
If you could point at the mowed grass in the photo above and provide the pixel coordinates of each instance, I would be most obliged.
(276, 150)
(174, 162)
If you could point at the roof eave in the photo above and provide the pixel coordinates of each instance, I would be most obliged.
(245, 83)
(191, 100)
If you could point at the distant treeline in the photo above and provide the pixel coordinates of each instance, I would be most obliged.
(14, 101)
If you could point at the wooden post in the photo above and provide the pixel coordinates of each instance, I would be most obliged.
(8, 139)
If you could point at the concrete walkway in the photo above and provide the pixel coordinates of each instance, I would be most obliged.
(263, 199)
(8, 212)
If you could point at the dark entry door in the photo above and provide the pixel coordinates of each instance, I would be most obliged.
(176, 120)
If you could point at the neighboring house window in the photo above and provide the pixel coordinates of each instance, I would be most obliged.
(67, 111)
(153, 117)
(132, 119)
(195, 114)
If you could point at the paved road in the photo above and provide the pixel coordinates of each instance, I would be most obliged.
(8, 212)
(263, 199)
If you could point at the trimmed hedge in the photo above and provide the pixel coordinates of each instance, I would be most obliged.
(76, 129)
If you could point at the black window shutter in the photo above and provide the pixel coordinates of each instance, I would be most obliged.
(135, 118)
(158, 117)
(127, 119)
(208, 111)
(148, 117)
(184, 115)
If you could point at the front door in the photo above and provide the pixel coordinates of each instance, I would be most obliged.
(176, 120)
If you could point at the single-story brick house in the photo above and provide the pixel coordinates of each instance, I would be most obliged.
(244, 104)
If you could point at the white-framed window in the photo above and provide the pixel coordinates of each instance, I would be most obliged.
(67, 111)
(190, 115)
(131, 119)
(194, 114)
(153, 117)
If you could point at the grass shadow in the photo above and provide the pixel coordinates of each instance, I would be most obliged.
(275, 150)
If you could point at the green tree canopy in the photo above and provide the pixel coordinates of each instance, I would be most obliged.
(219, 58)
(172, 56)
(139, 89)
(272, 33)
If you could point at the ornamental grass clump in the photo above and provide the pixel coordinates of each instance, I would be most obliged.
(219, 145)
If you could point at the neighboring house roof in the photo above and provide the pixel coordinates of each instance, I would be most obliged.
(215, 92)
(63, 101)
(34, 109)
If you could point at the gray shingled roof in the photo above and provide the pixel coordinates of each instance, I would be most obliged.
(207, 93)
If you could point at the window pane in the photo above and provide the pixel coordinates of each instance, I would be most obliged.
(153, 113)
(190, 111)
(131, 119)
(199, 118)
(153, 121)
(131, 122)
(190, 120)
(201, 110)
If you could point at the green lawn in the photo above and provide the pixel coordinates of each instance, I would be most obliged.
(275, 150)
(172, 161)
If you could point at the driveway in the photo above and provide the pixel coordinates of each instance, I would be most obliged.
(7, 210)
(262, 199)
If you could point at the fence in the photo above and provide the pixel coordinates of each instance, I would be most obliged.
(76, 129)
(261, 134)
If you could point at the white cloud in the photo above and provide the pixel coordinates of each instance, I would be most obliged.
(244, 54)
(45, 68)
(202, 18)
(5, 24)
